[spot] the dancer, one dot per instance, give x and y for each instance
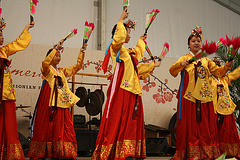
(10, 145)
(53, 134)
(224, 108)
(121, 133)
(196, 134)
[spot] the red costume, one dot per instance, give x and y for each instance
(9, 140)
(53, 134)
(121, 131)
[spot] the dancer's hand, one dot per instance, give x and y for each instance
(230, 64)
(143, 36)
(59, 46)
(30, 25)
(184, 63)
(84, 47)
(124, 15)
(157, 63)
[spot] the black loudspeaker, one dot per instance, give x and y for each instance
(86, 141)
(157, 146)
(25, 142)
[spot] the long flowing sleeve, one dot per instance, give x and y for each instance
(232, 76)
(70, 71)
(176, 68)
(47, 62)
(218, 71)
(119, 37)
(139, 49)
(19, 44)
(145, 69)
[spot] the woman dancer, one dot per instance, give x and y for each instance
(121, 133)
(53, 134)
(10, 145)
(197, 135)
(224, 108)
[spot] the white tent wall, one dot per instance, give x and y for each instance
(175, 22)
(56, 18)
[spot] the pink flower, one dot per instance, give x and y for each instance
(205, 85)
(168, 96)
(146, 88)
(74, 31)
(145, 80)
(33, 9)
(64, 92)
(153, 84)
(126, 83)
(207, 93)
(35, 2)
(227, 104)
(189, 95)
(65, 99)
(159, 98)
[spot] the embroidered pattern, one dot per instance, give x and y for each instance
(225, 103)
(189, 95)
(205, 91)
(220, 90)
(65, 97)
(120, 150)
(53, 149)
(11, 89)
(126, 83)
(201, 72)
(6, 69)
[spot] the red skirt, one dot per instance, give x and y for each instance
(10, 145)
(120, 134)
(52, 139)
(228, 136)
(196, 140)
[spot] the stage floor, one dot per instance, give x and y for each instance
(148, 158)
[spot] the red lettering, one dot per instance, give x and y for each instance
(17, 72)
(36, 75)
(27, 73)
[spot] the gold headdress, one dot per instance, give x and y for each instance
(131, 24)
(197, 31)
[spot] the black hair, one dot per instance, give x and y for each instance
(191, 36)
(115, 27)
(49, 51)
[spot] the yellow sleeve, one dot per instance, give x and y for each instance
(218, 71)
(176, 68)
(234, 75)
(139, 49)
(47, 62)
(145, 69)
(19, 44)
(70, 71)
(119, 36)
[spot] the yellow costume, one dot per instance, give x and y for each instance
(10, 145)
(201, 89)
(19, 44)
(65, 97)
(130, 80)
(145, 69)
(222, 101)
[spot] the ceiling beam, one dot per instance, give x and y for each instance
(233, 5)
